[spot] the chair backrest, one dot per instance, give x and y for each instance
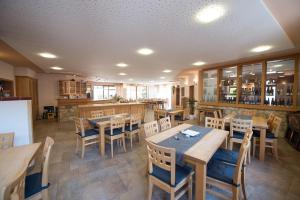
(240, 125)
(270, 119)
(275, 127)
(217, 123)
(6, 140)
(248, 112)
(242, 154)
(108, 112)
(16, 189)
(97, 113)
(165, 123)
(163, 158)
(159, 113)
(135, 119)
(46, 154)
(220, 114)
(116, 123)
(81, 125)
(151, 128)
(215, 114)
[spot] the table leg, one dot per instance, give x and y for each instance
(172, 120)
(200, 181)
(262, 144)
(102, 141)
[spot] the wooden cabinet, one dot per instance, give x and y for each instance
(28, 87)
(67, 88)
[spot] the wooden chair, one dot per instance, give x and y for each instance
(6, 140)
(36, 185)
(248, 112)
(271, 137)
(108, 112)
(220, 114)
(151, 128)
(115, 132)
(270, 120)
(86, 134)
(165, 174)
(165, 123)
(229, 176)
(238, 128)
(133, 128)
(216, 123)
(159, 113)
(215, 114)
(97, 114)
(16, 189)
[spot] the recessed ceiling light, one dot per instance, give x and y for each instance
(145, 51)
(198, 63)
(228, 71)
(122, 74)
(121, 65)
(167, 71)
(261, 48)
(271, 72)
(57, 68)
(281, 76)
(210, 13)
(47, 55)
(276, 66)
(162, 77)
(280, 72)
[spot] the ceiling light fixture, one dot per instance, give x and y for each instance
(276, 66)
(122, 74)
(271, 72)
(145, 51)
(198, 63)
(56, 68)
(121, 65)
(228, 71)
(280, 72)
(261, 48)
(210, 13)
(47, 55)
(167, 71)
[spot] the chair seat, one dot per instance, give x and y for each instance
(221, 171)
(165, 176)
(178, 117)
(256, 133)
(238, 135)
(226, 155)
(33, 184)
(134, 127)
(116, 131)
(89, 132)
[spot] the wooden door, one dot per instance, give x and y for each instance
(177, 96)
(191, 92)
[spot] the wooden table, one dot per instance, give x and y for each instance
(12, 160)
(259, 123)
(106, 124)
(199, 154)
(172, 114)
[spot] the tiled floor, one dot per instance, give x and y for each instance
(123, 177)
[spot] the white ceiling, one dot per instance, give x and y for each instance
(90, 37)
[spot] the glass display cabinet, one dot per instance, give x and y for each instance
(228, 85)
(210, 86)
(279, 82)
(251, 84)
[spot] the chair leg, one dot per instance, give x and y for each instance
(172, 195)
(131, 140)
(77, 144)
(82, 148)
(230, 145)
(112, 148)
(124, 144)
(254, 146)
(150, 188)
(235, 193)
(45, 195)
(243, 183)
(190, 188)
(275, 147)
(249, 154)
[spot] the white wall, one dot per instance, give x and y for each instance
(24, 71)
(7, 71)
(16, 116)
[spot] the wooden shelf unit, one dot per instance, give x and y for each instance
(69, 87)
(261, 105)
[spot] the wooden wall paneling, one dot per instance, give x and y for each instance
(200, 86)
(263, 82)
(219, 73)
(295, 91)
(239, 83)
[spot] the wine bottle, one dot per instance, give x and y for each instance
(273, 102)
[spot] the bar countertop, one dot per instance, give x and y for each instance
(110, 104)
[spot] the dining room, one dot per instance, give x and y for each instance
(133, 100)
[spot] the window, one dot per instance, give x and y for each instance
(210, 86)
(131, 92)
(141, 92)
(251, 84)
(228, 85)
(279, 82)
(104, 92)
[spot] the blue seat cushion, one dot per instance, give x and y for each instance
(226, 155)
(238, 135)
(269, 134)
(89, 132)
(33, 184)
(221, 171)
(179, 117)
(116, 131)
(134, 127)
(165, 176)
